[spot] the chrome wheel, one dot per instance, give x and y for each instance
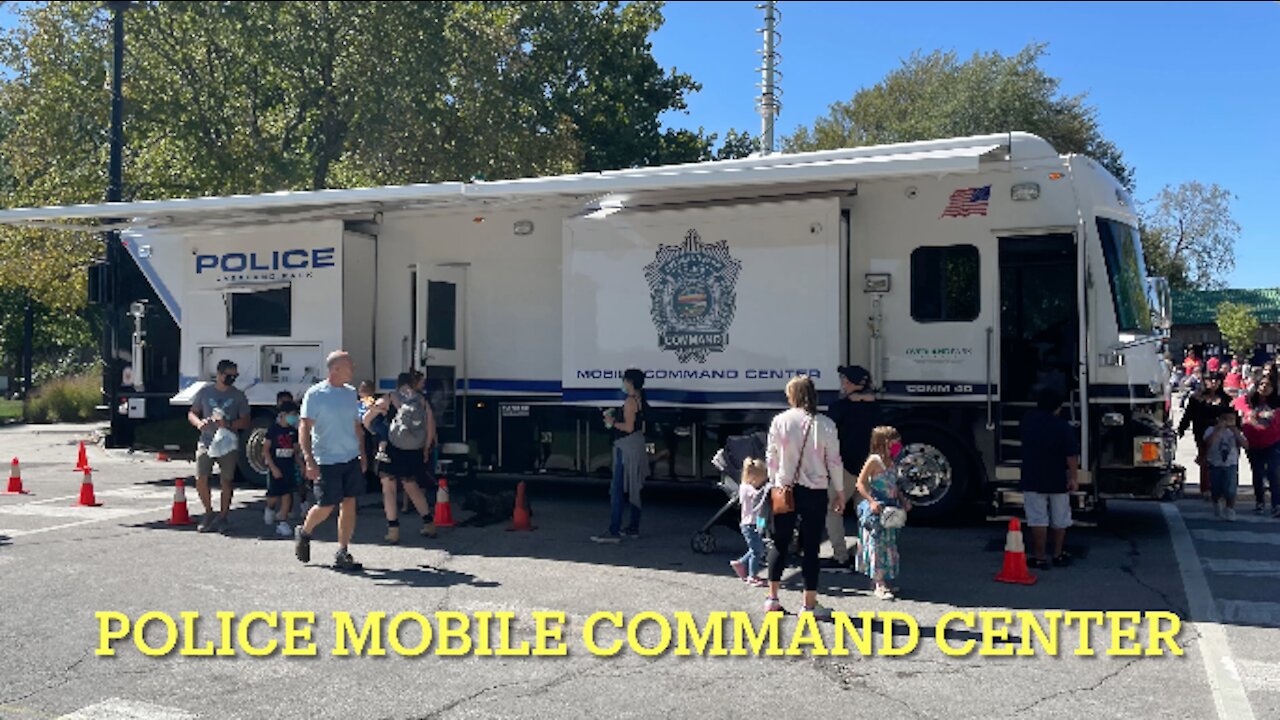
(924, 474)
(253, 450)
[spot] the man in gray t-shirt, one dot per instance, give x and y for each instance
(220, 405)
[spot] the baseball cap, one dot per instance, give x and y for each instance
(855, 374)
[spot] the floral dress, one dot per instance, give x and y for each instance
(878, 549)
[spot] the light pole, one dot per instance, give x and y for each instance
(120, 432)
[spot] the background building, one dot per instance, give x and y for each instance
(1195, 322)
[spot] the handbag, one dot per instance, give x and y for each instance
(783, 499)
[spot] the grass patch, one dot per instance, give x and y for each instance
(10, 410)
(69, 399)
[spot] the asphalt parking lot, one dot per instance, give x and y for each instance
(60, 564)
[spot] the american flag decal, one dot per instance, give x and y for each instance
(968, 201)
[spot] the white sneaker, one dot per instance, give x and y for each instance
(283, 529)
(1231, 514)
(268, 517)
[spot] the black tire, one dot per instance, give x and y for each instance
(704, 543)
(250, 467)
(938, 474)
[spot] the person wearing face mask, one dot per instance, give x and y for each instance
(278, 452)
(1050, 462)
(878, 487)
(855, 414)
(220, 405)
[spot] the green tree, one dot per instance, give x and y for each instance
(936, 96)
(1238, 327)
(243, 97)
(1189, 235)
(737, 145)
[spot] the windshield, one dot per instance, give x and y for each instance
(1125, 269)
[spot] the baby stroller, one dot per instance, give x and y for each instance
(728, 461)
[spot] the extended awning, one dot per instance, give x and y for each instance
(960, 155)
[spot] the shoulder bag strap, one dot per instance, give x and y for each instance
(795, 477)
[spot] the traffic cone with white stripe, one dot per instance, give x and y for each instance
(15, 480)
(86, 491)
(179, 515)
(444, 512)
(1015, 558)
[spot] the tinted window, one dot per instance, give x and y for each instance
(944, 284)
(269, 312)
(442, 315)
(1122, 248)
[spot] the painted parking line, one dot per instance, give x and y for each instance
(119, 709)
(1236, 536)
(1229, 697)
(1248, 568)
(65, 526)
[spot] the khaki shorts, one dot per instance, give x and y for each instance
(226, 464)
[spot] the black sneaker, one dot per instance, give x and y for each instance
(1062, 560)
(301, 545)
(1039, 564)
(344, 561)
(1259, 509)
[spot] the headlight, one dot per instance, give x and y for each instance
(1112, 420)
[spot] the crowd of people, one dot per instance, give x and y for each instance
(1230, 408)
(320, 451)
(319, 454)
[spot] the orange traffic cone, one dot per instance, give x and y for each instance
(444, 513)
(15, 480)
(82, 464)
(86, 491)
(1015, 558)
(180, 516)
(163, 457)
(520, 520)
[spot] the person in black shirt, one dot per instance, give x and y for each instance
(855, 415)
(1201, 415)
(278, 451)
(1050, 461)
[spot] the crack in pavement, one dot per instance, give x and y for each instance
(1072, 691)
(66, 679)
(848, 679)
(1131, 570)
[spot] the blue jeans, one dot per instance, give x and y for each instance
(1265, 463)
(618, 500)
(755, 557)
(1223, 482)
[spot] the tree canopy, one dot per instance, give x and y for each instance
(1189, 236)
(1238, 326)
(244, 97)
(937, 95)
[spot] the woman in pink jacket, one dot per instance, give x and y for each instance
(1261, 428)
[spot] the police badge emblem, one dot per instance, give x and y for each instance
(692, 289)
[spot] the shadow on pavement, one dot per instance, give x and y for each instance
(1126, 563)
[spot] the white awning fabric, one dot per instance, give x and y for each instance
(961, 155)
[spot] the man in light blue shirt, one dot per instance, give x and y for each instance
(332, 439)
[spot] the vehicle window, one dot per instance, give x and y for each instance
(266, 312)
(1122, 248)
(945, 284)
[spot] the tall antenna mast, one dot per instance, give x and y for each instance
(769, 103)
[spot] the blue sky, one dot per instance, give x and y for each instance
(1188, 91)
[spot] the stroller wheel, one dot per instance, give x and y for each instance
(704, 543)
